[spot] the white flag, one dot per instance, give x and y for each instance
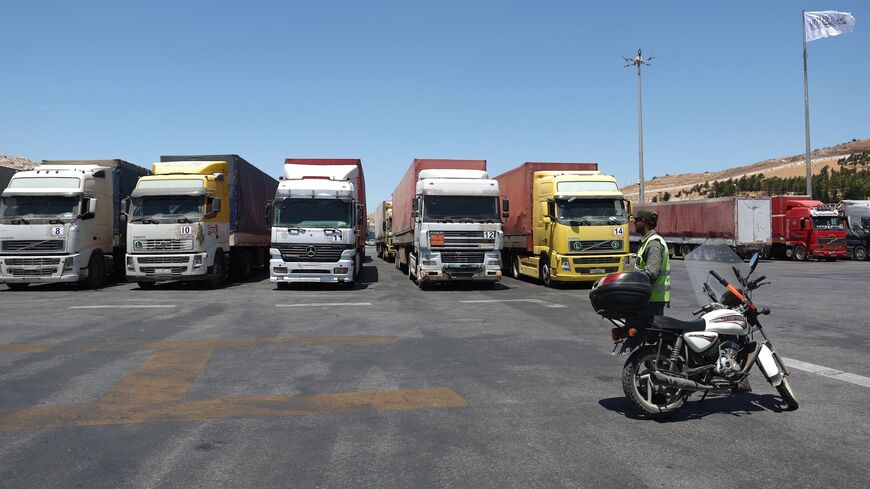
(827, 23)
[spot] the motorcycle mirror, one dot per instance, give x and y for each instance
(753, 262)
(739, 277)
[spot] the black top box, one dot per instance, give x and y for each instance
(621, 294)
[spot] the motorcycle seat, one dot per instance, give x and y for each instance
(674, 324)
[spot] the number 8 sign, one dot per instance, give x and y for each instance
(57, 231)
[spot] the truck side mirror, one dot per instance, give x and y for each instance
(215, 207)
(89, 205)
(125, 208)
(415, 208)
(269, 211)
(545, 212)
(505, 207)
(803, 223)
(629, 208)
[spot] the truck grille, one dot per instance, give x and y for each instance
(607, 245)
(596, 260)
(831, 241)
(31, 267)
(462, 257)
(33, 245)
(316, 271)
(160, 260)
(163, 271)
(588, 271)
(163, 245)
(466, 239)
(324, 253)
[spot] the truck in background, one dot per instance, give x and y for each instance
(384, 231)
(743, 223)
(446, 222)
(319, 222)
(569, 223)
(197, 218)
(62, 222)
(803, 228)
(856, 218)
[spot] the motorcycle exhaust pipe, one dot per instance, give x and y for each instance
(679, 382)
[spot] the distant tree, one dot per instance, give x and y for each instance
(666, 197)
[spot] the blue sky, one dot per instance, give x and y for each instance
(506, 81)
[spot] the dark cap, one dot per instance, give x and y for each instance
(651, 217)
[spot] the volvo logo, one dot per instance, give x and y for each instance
(310, 251)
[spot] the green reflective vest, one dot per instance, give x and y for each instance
(662, 286)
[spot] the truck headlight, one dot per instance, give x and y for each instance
(275, 253)
(197, 261)
(130, 265)
(566, 266)
(348, 253)
(68, 264)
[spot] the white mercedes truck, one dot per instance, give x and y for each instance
(61, 222)
(318, 222)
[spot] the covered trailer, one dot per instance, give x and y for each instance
(5, 175)
(743, 223)
(406, 192)
(250, 189)
(383, 228)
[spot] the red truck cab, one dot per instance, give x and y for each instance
(803, 228)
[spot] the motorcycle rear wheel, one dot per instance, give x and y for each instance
(787, 394)
(653, 401)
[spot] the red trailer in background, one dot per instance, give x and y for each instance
(805, 228)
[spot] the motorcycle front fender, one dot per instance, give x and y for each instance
(768, 366)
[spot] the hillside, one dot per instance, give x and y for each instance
(680, 186)
(16, 162)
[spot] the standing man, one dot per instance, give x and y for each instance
(653, 259)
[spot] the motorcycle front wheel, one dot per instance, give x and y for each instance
(654, 401)
(787, 394)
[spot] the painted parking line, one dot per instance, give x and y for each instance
(325, 304)
(532, 301)
(126, 306)
(831, 373)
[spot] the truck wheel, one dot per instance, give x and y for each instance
(146, 285)
(219, 271)
(860, 253)
(685, 250)
(357, 267)
(17, 286)
(546, 277)
(800, 253)
(515, 266)
(96, 271)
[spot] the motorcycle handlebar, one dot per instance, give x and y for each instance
(719, 278)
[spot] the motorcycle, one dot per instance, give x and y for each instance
(671, 359)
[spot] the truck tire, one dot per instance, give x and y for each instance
(146, 285)
(685, 249)
(240, 265)
(18, 286)
(800, 253)
(546, 275)
(515, 266)
(96, 271)
(859, 253)
(219, 271)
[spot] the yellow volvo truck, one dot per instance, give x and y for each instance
(569, 224)
(198, 218)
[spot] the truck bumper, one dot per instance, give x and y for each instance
(829, 254)
(161, 267)
(311, 272)
(39, 269)
(588, 268)
(454, 273)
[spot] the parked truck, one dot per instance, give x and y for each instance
(319, 222)
(384, 231)
(446, 222)
(856, 219)
(804, 228)
(743, 223)
(61, 222)
(569, 223)
(6, 175)
(197, 218)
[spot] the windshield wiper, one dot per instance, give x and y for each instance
(579, 222)
(20, 220)
(146, 220)
(185, 220)
(55, 221)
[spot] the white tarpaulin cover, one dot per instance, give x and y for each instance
(827, 23)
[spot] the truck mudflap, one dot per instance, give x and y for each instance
(29, 269)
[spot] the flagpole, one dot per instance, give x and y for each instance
(807, 109)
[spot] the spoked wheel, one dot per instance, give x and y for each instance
(653, 400)
(787, 393)
(860, 253)
(546, 276)
(800, 253)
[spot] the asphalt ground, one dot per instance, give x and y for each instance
(389, 386)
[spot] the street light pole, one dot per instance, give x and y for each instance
(639, 61)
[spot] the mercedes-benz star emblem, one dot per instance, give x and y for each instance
(310, 251)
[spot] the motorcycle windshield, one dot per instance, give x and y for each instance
(718, 258)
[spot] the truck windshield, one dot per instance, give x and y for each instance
(166, 207)
(315, 213)
(458, 208)
(827, 222)
(577, 211)
(41, 207)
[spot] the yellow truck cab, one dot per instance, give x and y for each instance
(572, 225)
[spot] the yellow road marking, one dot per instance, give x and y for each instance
(98, 414)
(27, 347)
(165, 376)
